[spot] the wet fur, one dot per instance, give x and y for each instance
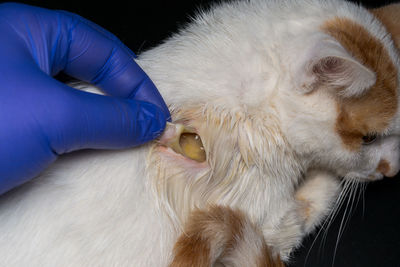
(258, 81)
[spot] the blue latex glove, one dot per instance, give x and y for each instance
(41, 118)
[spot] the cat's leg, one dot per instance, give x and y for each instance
(311, 204)
(221, 236)
(317, 196)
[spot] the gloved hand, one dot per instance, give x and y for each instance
(41, 118)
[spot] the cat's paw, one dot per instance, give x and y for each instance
(316, 197)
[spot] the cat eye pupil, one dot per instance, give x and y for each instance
(368, 139)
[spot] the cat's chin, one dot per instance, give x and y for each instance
(362, 178)
(375, 177)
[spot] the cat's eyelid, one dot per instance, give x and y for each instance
(369, 139)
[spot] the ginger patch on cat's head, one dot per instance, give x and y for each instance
(371, 112)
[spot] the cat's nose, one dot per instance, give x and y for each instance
(387, 169)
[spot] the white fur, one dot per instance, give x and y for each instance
(233, 75)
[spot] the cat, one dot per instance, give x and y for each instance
(277, 100)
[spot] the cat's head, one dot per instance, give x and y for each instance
(344, 111)
(322, 96)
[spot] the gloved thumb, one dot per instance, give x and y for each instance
(106, 122)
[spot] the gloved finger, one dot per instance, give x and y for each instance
(23, 155)
(106, 122)
(59, 40)
(97, 56)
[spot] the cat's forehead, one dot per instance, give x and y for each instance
(373, 111)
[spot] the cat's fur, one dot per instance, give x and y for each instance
(281, 94)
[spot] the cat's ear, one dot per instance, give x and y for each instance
(329, 66)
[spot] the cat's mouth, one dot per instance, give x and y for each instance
(184, 141)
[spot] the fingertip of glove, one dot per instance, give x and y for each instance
(153, 123)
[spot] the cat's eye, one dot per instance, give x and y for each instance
(369, 139)
(187, 143)
(192, 147)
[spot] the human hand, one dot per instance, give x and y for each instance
(41, 117)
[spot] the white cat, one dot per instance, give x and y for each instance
(285, 96)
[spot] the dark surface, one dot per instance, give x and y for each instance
(371, 236)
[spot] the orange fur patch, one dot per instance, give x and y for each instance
(211, 235)
(373, 111)
(390, 17)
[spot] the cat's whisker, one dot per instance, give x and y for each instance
(352, 196)
(348, 212)
(338, 204)
(342, 223)
(330, 217)
(344, 184)
(333, 213)
(363, 189)
(339, 201)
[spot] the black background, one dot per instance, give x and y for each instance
(371, 236)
